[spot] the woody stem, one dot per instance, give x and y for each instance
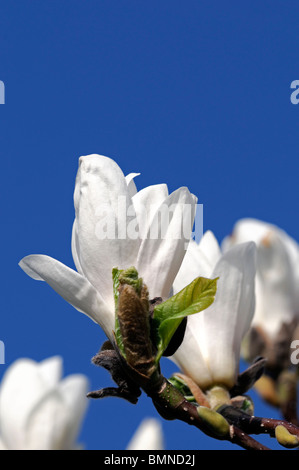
(171, 404)
(255, 424)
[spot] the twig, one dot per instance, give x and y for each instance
(254, 424)
(245, 441)
(171, 404)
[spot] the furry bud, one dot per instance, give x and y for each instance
(134, 323)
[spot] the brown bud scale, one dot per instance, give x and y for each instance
(133, 317)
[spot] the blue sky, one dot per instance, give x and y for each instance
(192, 93)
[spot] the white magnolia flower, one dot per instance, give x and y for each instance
(116, 226)
(277, 278)
(38, 410)
(210, 351)
(148, 436)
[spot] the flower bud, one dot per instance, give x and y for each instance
(285, 438)
(134, 323)
(214, 422)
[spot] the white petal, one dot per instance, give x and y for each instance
(146, 202)
(283, 299)
(246, 230)
(47, 425)
(210, 351)
(54, 421)
(102, 203)
(131, 183)
(73, 287)
(37, 412)
(276, 285)
(148, 436)
(162, 251)
(74, 389)
(51, 370)
(189, 356)
(22, 387)
(75, 248)
(195, 264)
(227, 320)
(227, 243)
(292, 248)
(2, 445)
(209, 247)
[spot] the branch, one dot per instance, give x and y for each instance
(168, 400)
(257, 425)
(171, 404)
(225, 422)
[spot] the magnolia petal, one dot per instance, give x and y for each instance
(255, 230)
(148, 436)
(47, 424)
(162, 251)
(75, 247)
(276, 287)
(2, 445)
(195, 264)
(274, 304)
(131, 183)
(74, 390)
(146, 202)
(51, 370)
(227, 243)
(37, 411)
(22, 387)
(227, 320)
(292, 248)
(210, 351)
(189, 356)
(72, 286)
(103, 211)
(246, 230)
(199, 260)
(54, 422)
(209, 247)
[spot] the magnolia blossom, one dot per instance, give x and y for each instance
(116, 226)
(148, 436)
(277, 278)
(210, 351)
(38, 410)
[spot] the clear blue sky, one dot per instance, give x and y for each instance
(192, 93)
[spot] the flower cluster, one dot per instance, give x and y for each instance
(155, 291)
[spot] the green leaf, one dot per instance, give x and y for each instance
(167, 316)
(180, 385)
(115, 278)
